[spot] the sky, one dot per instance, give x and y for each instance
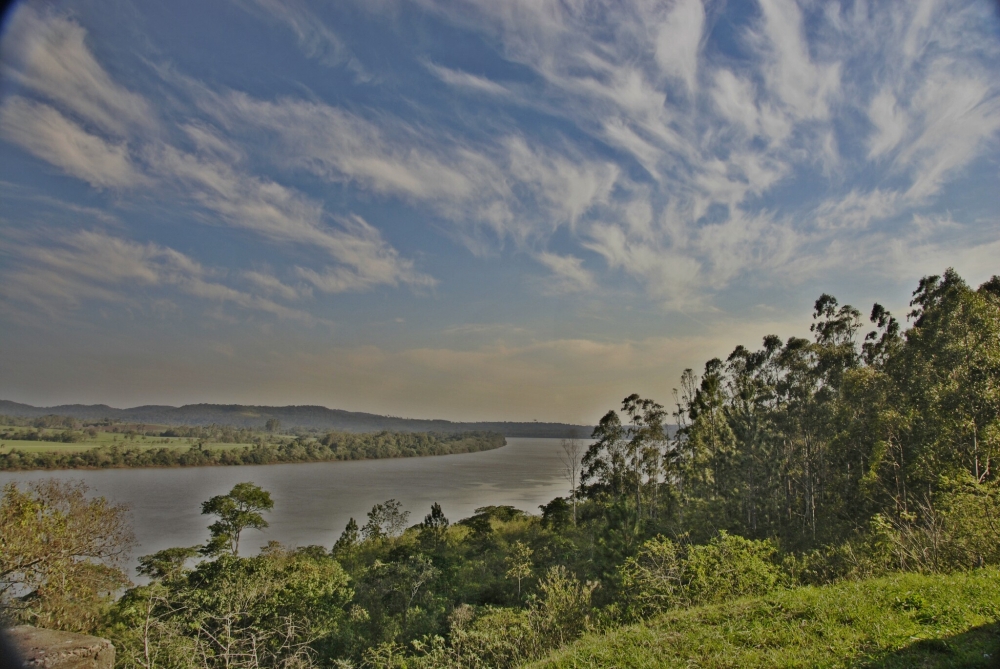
(472, 209)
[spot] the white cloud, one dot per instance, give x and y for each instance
(52, 58)
(66, 272)
(815, 123)
(564, 187)
(569, 274)
(48, 54)
(367, 261)
(890, 124)
(805, 87)
(334, 143)
(920, 73)
(508, 187)
(272, 285)
(467, 80)
(44, 132)
(959, 116)
(856, 209)
(678, 41)
(285, 215)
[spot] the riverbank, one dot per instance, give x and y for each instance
(332, 447)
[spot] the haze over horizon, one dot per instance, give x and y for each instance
(471, 210)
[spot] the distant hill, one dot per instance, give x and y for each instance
(316, 417)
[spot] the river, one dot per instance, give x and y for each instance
(313, 501)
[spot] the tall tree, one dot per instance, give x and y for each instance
(570, 452)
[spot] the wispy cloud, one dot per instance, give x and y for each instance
(55, 274)
(282, 214)
(712, 130)
(678, 41)
(44, 132)
(366, 261)
(316, 40)
(272, 285)
(47, 53)
(664, 151)
(511, 189)
(212, 178)
(466, 80)
(568, 274)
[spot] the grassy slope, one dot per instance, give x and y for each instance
(894, 622)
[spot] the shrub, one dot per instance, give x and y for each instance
(666, 574)
(498, 638)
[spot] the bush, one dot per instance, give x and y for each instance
(667, 575)
(499, 638)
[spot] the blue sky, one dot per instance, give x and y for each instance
(471, 209)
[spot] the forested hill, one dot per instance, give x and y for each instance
(316, 417)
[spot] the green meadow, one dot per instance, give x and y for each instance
(104, 439)
(895, 622)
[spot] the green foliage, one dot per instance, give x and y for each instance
(167, 564)
(665, 575)
(60, 554)
(503, 637)
(236, 511)
(897, 622)
(385, 521)
(334, 446)
(518, 563)
(279, 609)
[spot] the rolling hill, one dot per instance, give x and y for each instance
(308, 417)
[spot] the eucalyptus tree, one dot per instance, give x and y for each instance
(605, 462)
(569, 455)
(951, 361)
(750, 377)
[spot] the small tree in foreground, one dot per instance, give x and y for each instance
(238, 510)
(519, 563)
(61, 553)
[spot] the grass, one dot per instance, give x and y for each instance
(107, 439)
(896, 622)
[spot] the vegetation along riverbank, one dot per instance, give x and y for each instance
(67, 448)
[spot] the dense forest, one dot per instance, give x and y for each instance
(854, 454)
(265, 450)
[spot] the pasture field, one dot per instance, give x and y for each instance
(104, 439)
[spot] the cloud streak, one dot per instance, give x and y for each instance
(93, 266)
(47, 134)
(48, 54)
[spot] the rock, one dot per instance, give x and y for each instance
(52, 649)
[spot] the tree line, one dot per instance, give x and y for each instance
(333, 446)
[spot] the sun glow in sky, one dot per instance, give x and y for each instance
(471, 209)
